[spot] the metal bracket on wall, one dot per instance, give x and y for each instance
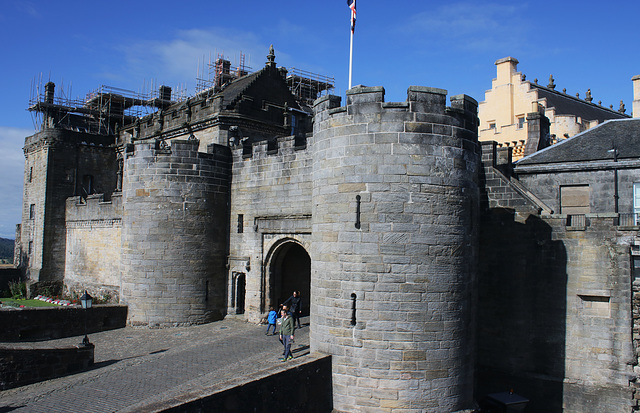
(358, 198)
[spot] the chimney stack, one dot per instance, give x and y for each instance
(49, 92)
(165, 93)
(636, 96)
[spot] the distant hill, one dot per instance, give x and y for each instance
(6, 250)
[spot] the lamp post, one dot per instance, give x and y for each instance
(86, 301)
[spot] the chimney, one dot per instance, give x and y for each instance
(506, 67)
(49, 91)
(537, 131)
(636, 96)
(165, 93)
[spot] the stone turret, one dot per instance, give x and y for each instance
(393, 248)
(174, 233)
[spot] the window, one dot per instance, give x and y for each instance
(240, 223)
(635, 268)
(636, 202)
(30, 247)
(32, 211)
(574, 199)
(520, 122)
(87, 185)
(492, 125)
(31, 174)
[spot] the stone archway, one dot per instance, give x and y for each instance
(289, 269)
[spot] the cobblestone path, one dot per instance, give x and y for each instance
(139, 368)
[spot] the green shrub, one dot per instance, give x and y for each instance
(18, 290)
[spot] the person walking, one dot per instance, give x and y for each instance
(287, 329)
(295, 303)
(271, 321)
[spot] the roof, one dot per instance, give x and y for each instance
(235, 88)
(569, 105)
(593, 145)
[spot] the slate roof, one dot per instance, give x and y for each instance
(593, 144)
(570, 105)
(235, 88)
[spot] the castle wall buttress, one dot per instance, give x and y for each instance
(394, 248)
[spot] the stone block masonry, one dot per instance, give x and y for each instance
(58, 164)
(50, 323)
(174, 233)
(394, 293)
(21, 366)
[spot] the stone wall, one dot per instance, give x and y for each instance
(92, 259)
(394, 248)
(58, 165)
(175, 233)
(21, 366)
(307, 388)
(554, 305)
(48, 323)
(600, 177)
(270, 202)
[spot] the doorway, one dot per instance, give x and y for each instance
(289, 270)
(240, 287)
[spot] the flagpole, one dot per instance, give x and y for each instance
(351, 57)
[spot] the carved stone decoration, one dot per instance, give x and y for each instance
(551, 84)
(119, 173)
(588, 98)
(271, 57)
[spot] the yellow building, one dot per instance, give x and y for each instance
(503, 113)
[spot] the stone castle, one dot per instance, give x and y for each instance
(433, 275)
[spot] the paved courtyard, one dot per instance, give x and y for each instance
(146, 370)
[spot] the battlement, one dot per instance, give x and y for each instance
(94, 209)
(179, 152)
(176, 119)
(279, 146)
(421, 101)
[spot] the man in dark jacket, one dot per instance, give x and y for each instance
(287, 329)
(295, 304)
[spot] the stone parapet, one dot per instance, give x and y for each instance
(49, 323)
(21, 366)
(93, 208)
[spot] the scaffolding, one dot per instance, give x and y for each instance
(307, 86)
(217, 74)
(101, 111)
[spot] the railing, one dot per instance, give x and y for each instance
(628, 220)
(576, 220)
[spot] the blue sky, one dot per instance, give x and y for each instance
(450, 45)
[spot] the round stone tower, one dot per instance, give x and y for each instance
(174, 233)
(395, 198)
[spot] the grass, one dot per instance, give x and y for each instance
(27, 303)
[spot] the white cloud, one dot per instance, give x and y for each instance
(176, 59)
(474, 26)
(11, 173)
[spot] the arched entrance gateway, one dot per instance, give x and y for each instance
(288, 270)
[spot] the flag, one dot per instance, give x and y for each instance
(352, 6)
